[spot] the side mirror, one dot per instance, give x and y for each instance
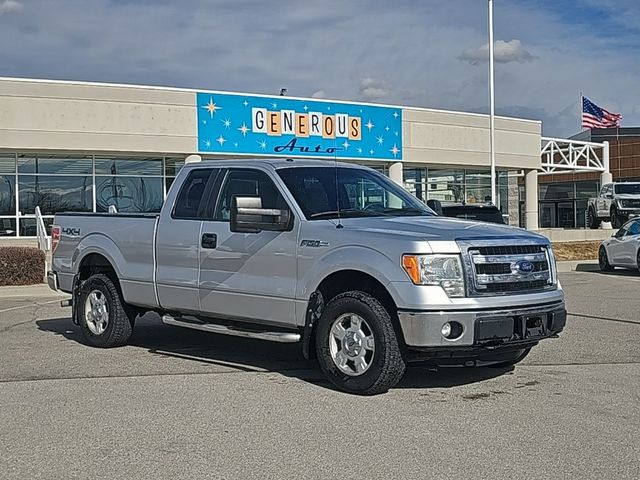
(248, 216)
(435, 205)
(618, 234)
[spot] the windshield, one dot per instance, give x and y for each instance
(625, 188)
(360, 193)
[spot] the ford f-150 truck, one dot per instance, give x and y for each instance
(616, 202)
(333, 256)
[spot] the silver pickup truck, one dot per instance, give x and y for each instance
(336, 257)
(616, 202)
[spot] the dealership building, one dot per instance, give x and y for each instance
(75, 146)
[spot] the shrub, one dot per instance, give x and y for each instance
(21, 266)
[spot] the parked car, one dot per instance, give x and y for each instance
(477, 212)
(616, 202)
(622, 249)
(335, 257)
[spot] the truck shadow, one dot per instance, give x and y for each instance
(257, 356)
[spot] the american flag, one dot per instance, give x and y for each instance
(595, 117)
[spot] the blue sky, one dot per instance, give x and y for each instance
(421, 52)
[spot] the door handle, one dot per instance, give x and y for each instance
(209, 240)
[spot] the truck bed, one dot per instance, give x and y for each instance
(128, 237)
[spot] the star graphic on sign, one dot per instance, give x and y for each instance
(245, 103)
(395, 150)
(226, 122)
(395, 115)
(387, 128)
(262, 144)
(305, 108)
(235, 144)
(274, 105)
(204, 122)
(379, 139)
(371, 152)
(211, 107)
(396, 133)
(369, 125)
(328, 108)
(244, 129)
(207, 143)
(221, 140)
(346, 145)
(359, 150)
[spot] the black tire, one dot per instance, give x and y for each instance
(592, 220)
(603, 260)
(616, 219)
(638, 260)
(120, 319)
(386, 364)
(507, 360)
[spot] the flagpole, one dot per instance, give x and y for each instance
(492, 105)
(581, 110)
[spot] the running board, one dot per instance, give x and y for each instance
(282, 337)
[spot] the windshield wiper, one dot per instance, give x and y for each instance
(345, 213)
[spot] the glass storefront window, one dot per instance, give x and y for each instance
(7, 163)
(475, 177)
(129, 194)
(478, 194)
(28, 226)
(54, 194)
(55, 164)
(7, 227)
(128, 166)
(556, 191)
(7, 195)
(172, 166)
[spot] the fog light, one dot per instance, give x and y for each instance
(452, 330)
(446, 330)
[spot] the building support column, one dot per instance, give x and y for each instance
(606, 177)
(531, 199)
(396, 173)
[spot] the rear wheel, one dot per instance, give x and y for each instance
(638, 260)
(592, 219)
(603, 260)
(104, 319)
(356, 345)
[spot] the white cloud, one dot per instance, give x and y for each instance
(504, 52)
(9, 6)
(319, 94)
(371, 89)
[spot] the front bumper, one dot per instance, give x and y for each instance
(492, 328)
(629, 212)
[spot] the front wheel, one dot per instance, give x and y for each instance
(616, 219)
(603, 260)
(357, 346)
(592, 219)
(638, 260)
(104, 319)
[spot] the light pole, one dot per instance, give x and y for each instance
(492, 108)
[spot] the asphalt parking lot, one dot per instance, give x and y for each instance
(184, 404)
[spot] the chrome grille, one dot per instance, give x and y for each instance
(508, 269)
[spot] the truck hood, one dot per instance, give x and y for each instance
(437, 228)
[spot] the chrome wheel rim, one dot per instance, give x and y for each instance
(96, 312)
(351, 344)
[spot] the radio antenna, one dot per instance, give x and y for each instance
(335, 165)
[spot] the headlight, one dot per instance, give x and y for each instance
(442, 270)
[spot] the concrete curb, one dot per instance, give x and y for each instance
(578, 266)
(40, 290)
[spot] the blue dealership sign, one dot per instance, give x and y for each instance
(252, 125)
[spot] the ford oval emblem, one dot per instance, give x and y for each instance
(525, 266)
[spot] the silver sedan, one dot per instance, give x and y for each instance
(622, 249)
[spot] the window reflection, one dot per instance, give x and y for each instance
(129, 194)
(7, 227)
(7, 195)
(28, 226)
(128, 166)
(55, 194)
(55, 164)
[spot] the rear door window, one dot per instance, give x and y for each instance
(191, 198)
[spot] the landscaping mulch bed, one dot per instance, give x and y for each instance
(576, 250)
